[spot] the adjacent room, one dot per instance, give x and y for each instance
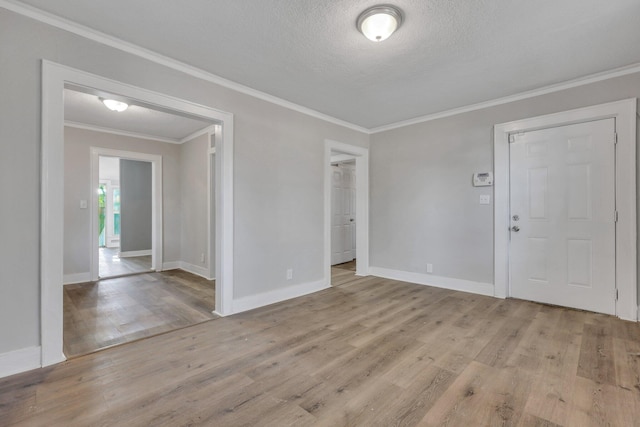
(319, 213)
(117, 286)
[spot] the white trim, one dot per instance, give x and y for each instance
(105, 39)
(581, 81)
(129, 254)
(625, 114)
(114, 42)
(72, 279)
(208, 129)
(362, 205)
(195, 269)
(278, 295)
(435, 281)
(171, 265)
(18, 361)
(54, 77)
(214, 132)
(119, 132)
(157, 204)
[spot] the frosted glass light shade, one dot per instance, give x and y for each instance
(379, 22)
(114, 105)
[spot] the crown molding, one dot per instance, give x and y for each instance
(114, 42)
(105, 39)
(112, 131)
(581, 81)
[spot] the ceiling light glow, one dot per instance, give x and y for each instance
(114, 105)
(379, 22)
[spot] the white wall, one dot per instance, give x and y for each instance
(423, 206)
(278, 170)
(77, 182)
(194, 164)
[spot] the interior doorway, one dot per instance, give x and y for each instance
(124, 247)
(346, 210)
(56, 79)
(139, 246)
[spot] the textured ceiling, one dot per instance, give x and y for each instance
(87, 109)
(447, 54)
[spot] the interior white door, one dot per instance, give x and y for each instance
(562, 248)
(343, 214)
(349, 179)
(337, 209)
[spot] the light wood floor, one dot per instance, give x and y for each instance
(110, 264)
(115, 311)
(368, 352)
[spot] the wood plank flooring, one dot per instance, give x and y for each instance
(115, 311)
(367, 352)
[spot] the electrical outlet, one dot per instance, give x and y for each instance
(202, 257)
(290, 274)
(429, 268)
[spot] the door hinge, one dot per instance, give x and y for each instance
(615, 138)
(512, 138)
(616, 295)
(615, 216)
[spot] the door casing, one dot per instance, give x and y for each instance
(361, 156)
(624, 112)
(54, 78)
(156, 204)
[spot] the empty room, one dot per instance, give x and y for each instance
(336, 213)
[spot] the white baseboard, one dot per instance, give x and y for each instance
(18, 361)
(129, 254)
(70, 279)
(195, 269)
(436, 281)
(260, 300)
(171, 265)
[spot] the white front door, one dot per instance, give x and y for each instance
(562, 248)
(343, 214)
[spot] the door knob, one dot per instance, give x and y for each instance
(351, 220)
(515, 228)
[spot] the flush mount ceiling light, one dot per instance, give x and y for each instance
(378, 22)
(114, 105)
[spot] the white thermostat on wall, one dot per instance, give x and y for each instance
(483, 179)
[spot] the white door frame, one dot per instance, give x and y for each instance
(54, 78)
(156, 203)
(213, 247)
(624, 113)
(362, 205)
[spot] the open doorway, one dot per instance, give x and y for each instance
(346, 212)
(124, 191)
(146, 175)
(54, 218)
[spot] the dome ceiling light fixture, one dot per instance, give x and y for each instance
(114, 105)
(378, 22)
